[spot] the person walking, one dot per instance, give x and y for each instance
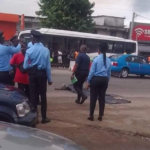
(21, 76)
(39, 72)
(98, 81)
(81, 70)
(5, 55)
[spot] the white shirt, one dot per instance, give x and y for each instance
(59, 53)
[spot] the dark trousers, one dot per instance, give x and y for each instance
(98, 87)
(78, 86)
(6, 78)
(38, 86)
(25, 88)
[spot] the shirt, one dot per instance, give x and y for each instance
(20, 77)
(30, 44)
(40, 56)
(60, 53)
(5, 55)
(83, 61)
(98, 68)
(76, 54)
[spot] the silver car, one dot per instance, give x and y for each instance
(16, 137)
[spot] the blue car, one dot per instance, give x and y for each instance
(123, 65)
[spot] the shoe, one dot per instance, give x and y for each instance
(91, 118)
(83, 99)
(46, 120)
(100, 118)
(77, 101)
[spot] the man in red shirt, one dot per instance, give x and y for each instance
(21, 78)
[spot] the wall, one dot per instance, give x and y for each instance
(99, 20)
(8, 23)
(115, 22)
(109, 21)
(9, 29)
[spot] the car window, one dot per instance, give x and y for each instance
(143, 60)
(132, 59)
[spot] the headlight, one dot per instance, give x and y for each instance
(23, 109)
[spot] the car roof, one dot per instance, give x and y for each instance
(18, 137)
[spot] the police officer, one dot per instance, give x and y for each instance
(81, 71)
(39, 71)
(98, 81)
(5, 55)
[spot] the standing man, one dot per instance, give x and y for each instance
(21, 77)
(5, 55)
(81, 71)
(39, 72)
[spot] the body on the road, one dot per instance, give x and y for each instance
(98, 81)
(39, 72)
(81, 71)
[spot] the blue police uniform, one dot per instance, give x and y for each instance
(98, 78)
(37, 61)
(5, 55)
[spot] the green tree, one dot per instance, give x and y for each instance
(72, 15)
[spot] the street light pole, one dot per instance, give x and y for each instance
(132, 25)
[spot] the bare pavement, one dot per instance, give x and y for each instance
(125, 126)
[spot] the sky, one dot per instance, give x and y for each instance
(118, 8)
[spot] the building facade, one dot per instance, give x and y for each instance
(109, 25)
(141, 34)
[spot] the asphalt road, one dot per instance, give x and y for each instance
(133, 86)
(69, 119)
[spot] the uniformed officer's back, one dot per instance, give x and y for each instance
(38, 55)
(37, 60)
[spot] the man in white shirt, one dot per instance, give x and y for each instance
(59, 57)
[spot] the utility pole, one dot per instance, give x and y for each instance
(132, 25)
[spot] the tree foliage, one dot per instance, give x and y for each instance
(72, 15)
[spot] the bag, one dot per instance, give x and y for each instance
(20, 66)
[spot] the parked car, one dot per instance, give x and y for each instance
(15, 107)
(16, 137)
(123, 65)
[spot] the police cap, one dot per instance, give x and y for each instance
(13, 38)
(36, 34)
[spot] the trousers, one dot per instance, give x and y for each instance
(25, 88)
(38, 87)
(98, 87)
(6, 78)
(78, 86)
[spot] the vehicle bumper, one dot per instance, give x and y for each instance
(29, 120)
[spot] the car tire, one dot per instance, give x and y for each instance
(142, 76)
(124, 73)
(5, 118)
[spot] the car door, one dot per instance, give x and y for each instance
(133, 64)
(144, 66)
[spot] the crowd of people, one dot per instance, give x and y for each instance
(30, 67)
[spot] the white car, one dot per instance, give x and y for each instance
(16, 137)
